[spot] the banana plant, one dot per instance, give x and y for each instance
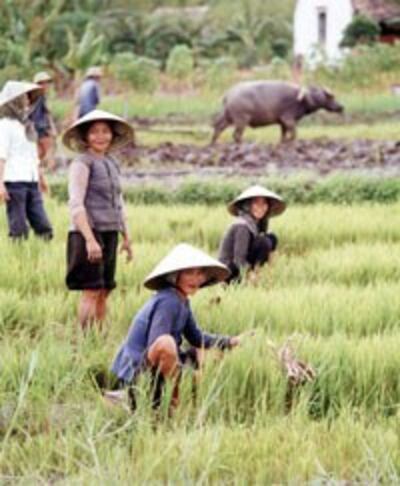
(86, 51)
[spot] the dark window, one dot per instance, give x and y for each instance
(322, 25)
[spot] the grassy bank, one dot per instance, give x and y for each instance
(300, 189)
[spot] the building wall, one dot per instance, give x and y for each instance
(306, 29)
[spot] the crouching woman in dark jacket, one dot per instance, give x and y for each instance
(246, 244)
(154, 341)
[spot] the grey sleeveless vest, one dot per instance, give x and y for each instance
(103, 201)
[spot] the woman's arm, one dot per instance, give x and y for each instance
(3, 191)
(200, 339)
(78, 179)
(126, 244)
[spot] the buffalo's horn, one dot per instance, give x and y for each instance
(301, 94)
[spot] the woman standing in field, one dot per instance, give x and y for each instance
(21, 178)
(96, 210)
(155, 337)
(246, 244)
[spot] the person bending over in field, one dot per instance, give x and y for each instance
(246, 244)
(154, 340)
(96, 210)
(21, 179)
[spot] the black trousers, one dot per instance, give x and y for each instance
(25, 207)
(188, 359)
(259, 252)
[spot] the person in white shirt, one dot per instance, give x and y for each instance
(21, 179)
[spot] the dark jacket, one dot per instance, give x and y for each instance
(246, 244)
(235, 245)
(164, 313)
(41, 117)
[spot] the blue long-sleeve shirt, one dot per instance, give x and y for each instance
(164, 313)
(89, 96)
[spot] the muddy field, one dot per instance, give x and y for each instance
(321, 156)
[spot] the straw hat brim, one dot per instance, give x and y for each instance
(32, 89)
(94, 72)
(123, 132)
(185, 257)
(42, 78)
(276, 204)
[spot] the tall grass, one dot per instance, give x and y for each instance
(333, 287)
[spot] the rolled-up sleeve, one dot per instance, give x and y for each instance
(78, 178)
(124, 216)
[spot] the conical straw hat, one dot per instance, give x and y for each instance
(94, 72)
(13, 89)
(42, 77)
(275, 202)
(183, 257)
(123, 132)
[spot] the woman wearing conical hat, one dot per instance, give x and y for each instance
(155, 338)
(21, 179)
(246, 244)
(96, 210)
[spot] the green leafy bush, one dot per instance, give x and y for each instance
(9, 72)
(180, 62)
(280, 47)
(365, 65)
(220, 72)
(141, 72)
(362, 30)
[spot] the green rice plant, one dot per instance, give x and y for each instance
(332, 288)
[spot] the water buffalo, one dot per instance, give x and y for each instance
(260, 103)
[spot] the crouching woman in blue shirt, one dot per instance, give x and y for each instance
(155, 338)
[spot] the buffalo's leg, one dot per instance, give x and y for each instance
(220, 125)
(288, 130)
(238, 133)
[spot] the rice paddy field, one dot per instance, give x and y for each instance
(333, 287)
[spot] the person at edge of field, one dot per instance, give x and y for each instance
(89, 91)
(154, 340)
(21, 179)
(43, 121)
(246, 244)
(96, 210)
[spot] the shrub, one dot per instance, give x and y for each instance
(9, 72)
(141, 72)
(362, 30)
(362, 67)
(220, 72)
(280, 47)
(180, 62)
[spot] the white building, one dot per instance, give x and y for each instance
(319, 24)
